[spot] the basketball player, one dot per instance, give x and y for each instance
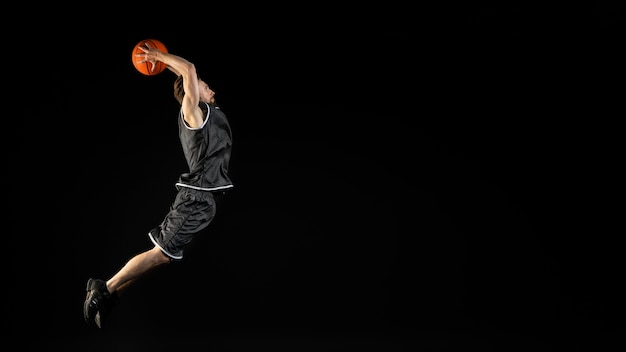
(205, 136)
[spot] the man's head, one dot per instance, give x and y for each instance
(207, 95)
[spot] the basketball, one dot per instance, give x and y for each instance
(146, 67)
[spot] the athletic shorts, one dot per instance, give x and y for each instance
(191, 212)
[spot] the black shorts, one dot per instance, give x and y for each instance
(191, 212)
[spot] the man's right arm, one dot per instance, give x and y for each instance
(181, 67)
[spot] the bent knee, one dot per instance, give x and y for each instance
(159, 257)
(164, 259)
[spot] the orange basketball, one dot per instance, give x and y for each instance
(146, 67)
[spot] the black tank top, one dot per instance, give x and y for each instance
(207, 150)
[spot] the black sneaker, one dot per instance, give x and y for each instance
(98, 302)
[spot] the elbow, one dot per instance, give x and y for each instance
(190, 70)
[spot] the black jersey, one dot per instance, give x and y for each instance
(207, 150)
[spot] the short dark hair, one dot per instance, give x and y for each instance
(179, 92)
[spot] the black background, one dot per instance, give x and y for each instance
(406, 179)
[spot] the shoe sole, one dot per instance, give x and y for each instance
(98, 320)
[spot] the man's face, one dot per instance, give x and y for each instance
(206, 93)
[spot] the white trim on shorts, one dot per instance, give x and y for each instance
(177, 257)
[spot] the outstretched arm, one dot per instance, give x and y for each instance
(181, 67)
